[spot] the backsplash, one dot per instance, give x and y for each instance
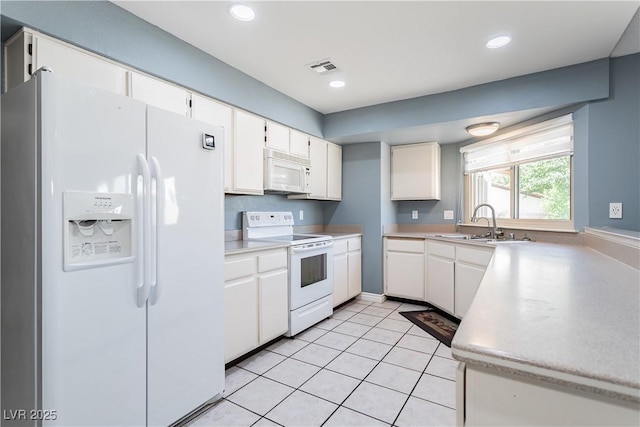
(234, 205)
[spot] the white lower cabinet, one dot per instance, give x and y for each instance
(440, 279)
(404, 268)
(340, 272)
(444, 274)
(240, 317)
(347, 269)
(471, 263)
(488, 397)
(273, 305)
(467, 281)
(454, 273)
(354, 258)
(256, 305)
(441, 257)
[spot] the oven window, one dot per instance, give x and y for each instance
(313, 269)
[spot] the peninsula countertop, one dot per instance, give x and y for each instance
(561, 313)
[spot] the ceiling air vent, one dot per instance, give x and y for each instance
(323, 67)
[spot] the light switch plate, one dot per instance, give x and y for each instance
(615, 210)
(448, 214)
(414, 214)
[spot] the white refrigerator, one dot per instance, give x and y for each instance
(112, 259)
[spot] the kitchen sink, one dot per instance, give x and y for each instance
(480, 239)
(489, 240)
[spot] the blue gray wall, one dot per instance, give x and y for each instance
(553, 88)
(361, 204)
(614, 148)
(234, 205)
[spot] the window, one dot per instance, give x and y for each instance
(524, 175)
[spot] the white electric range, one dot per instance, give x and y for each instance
(310, 266)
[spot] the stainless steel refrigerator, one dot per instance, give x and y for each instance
(112, 257)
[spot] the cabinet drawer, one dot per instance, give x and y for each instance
(339, 247)
(442, 249)
(272, 261)
(237, 268)
(474, 255)
(354, 244)
(406, 245)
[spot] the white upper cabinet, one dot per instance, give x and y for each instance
(299, 144)
(248, 150)
(318, 157)
(27, 52)
(159, 94)
(287, 140)
(326, 171)
(277, 137)
(415, 172)
(334, 172)
(207, 110)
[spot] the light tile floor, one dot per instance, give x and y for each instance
(365, 366)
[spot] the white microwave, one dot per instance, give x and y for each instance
(284, 173)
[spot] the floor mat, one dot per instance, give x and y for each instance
(439, 325)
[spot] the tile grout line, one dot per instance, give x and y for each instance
(379, 361)
(296, 388)
(321, 368)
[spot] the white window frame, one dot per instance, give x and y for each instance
(517, 223)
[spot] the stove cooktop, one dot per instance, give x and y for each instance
(296, 237)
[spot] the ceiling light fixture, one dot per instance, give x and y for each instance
(336, 83)
(483, 129)
(242, 12)
(498, 42)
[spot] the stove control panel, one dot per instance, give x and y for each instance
(266, 219)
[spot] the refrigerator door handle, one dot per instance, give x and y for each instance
(156, 288)
(144, 249)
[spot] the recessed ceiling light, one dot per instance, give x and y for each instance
(483, 129)
(499, 41)
(336, 83)
(242, 12)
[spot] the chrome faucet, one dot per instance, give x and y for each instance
(494, 232)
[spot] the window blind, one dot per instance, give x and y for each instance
(552, 138)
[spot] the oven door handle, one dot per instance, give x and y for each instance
(295, 250)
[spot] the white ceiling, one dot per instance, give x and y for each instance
(393, 50)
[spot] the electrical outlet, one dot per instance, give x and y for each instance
(414, 214)
(615, 210)
(301, 215)
(448, 214)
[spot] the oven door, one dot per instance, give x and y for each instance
(310, 274)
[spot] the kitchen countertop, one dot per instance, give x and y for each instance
(232, 247)
(341, 235)
(445, 237)
(573, 317)
(240, 246)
